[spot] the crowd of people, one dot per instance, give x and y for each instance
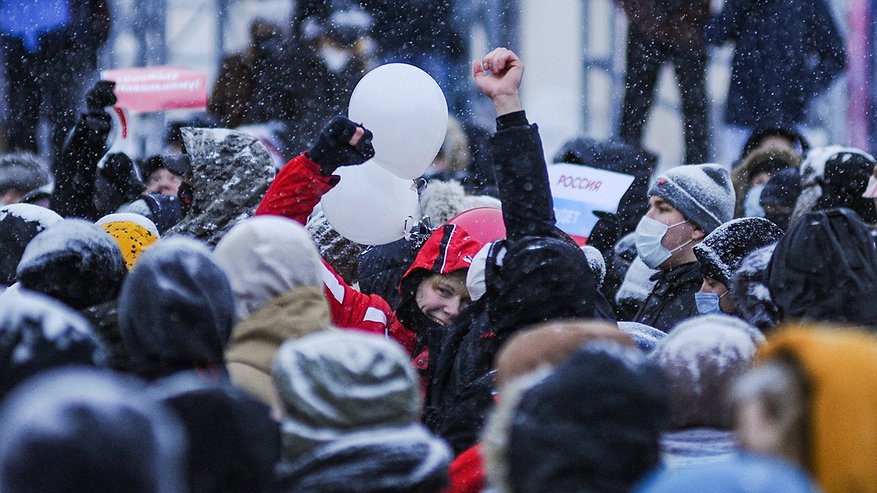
(191, 321)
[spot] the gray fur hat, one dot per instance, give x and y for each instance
(703, 193)
(24, 172)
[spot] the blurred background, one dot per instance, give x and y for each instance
(574, 53)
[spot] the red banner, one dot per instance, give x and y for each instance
(159, 88)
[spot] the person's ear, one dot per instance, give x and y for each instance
(697, 234)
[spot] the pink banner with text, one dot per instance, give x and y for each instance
(159, 88)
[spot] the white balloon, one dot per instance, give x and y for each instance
(370, 205)
(406, 111)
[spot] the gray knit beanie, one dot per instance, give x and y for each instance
(703, 193)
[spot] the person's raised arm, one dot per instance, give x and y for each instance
(76, 169)
(518, 159)
(303, 181)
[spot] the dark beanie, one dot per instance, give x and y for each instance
(592, 425)
(722, 250)
(75, 262)
(19, 223)
(703, 193)
(782, 189)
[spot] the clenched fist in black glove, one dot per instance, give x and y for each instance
(101, 95)
(338, 146)
(119, 171)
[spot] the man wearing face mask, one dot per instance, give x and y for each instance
(685, 204)
(720, 254)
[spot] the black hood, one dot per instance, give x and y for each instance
(537, 279)
(825, 268)
(176, 309)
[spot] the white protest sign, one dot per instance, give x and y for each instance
(579, 190)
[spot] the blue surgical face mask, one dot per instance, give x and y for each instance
(708, 302)
(752, 202)
(649, 234)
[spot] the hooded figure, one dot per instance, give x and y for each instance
(836, 176)
(701, 358)
(275, 274)
(233, 442)
(176, 310)
(837, 279)
(75, 262)
(751, 176)
(38, 333)
(834, 433)
(605, 439)
(19, 223)
(350, 403)
(231, 172)
(82, 430)
(531, 280)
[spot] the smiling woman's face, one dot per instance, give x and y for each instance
(442, 297)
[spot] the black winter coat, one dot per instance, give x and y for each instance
(672, 299)
(543, 276)
(787, 52)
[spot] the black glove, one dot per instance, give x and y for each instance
(117, 168)
(119, 171)
(98, 124)
(332, 148)
(605, 233)
(101, 95)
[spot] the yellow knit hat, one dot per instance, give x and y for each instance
(132, 239)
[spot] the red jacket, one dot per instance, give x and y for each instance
(296, 191)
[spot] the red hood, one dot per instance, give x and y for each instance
(448, 249)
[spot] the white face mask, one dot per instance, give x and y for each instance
(336, 59)
(752, 202)
(649, 234)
